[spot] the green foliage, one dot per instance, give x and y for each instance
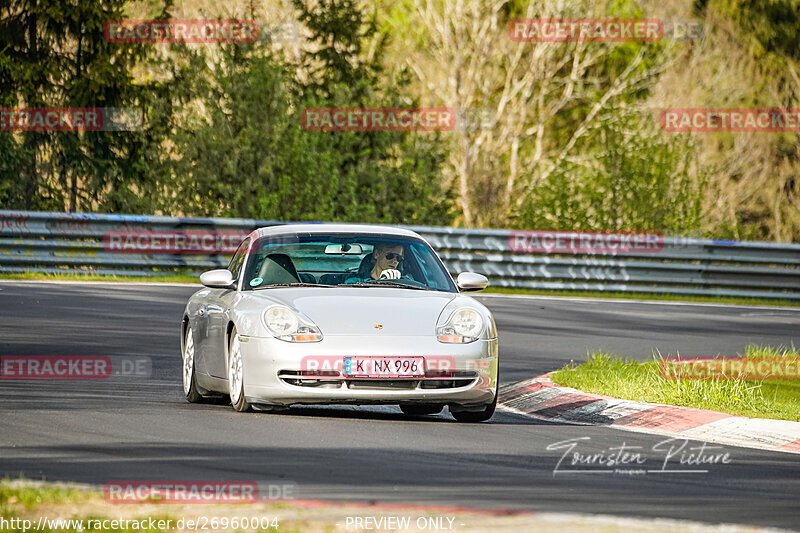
(222, 132)
(636, 178)
(610, 375)
(54, 54)
(339, 31)
(242, 150)
(31, 496)
(772, 25)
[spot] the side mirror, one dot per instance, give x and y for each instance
(470, 281)
(217, 279)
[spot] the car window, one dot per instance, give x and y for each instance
(235, 266)
(342, 260)
(434, 276)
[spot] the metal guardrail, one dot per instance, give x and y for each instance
(74, 242)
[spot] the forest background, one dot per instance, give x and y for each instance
(552, 135)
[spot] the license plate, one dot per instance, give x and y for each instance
(384, 367)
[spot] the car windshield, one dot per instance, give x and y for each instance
(345, 260)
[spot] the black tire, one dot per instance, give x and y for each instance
(190, 389)
(476, 416)
(238, 400)
(421, 409)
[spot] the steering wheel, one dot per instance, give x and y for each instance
(409, 281)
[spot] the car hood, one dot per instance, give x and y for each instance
(365, 310)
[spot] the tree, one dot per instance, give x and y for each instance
(55, 55)
(641, 180)
(545, 96)
(241, 150)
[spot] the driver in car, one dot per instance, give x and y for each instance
(387, 260)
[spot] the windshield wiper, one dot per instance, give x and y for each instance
(382, 283)
(299, 284)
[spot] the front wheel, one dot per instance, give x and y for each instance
(236, 374)
(189, 379)
(476, 416)
(421, 409)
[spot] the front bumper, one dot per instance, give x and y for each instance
(277, 372)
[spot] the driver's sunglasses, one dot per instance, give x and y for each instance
(391, 256)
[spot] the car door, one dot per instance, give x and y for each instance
(217, 308)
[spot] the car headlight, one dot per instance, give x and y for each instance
(286, 325)
(464, 325)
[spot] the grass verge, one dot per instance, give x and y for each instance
(614, 376)
(40, 507)
(28, 497)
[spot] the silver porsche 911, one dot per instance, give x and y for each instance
(340, 314)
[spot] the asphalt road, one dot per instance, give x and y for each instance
(141, 428)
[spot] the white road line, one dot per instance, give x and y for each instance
(628, 301)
